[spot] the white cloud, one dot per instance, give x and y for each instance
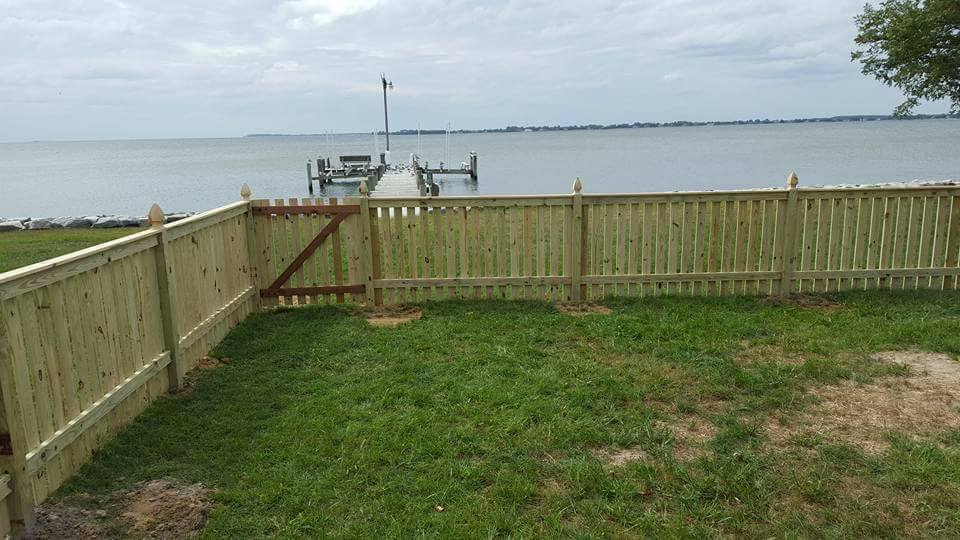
(313, 65)
(205, 50)
(323, 12)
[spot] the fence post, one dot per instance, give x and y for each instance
(252, 268)
(367, 247)
(576, 243)
(166, 285)
(788, 236)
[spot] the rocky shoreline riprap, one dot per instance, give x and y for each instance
(81, 222)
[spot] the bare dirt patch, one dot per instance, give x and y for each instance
(579, 310)
(618, 457)
(690, 436)
(158, 509)
(390, 317)
(210, 362)
(807, 301)
(161, 509)
(923, 403)
(750, 354)
(204, 364)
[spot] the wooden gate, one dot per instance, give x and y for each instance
(306, 250)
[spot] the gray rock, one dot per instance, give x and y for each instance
(177, 216)
(128, 221)
(75, 222)
(11, 225)
(107, 222)
(42, 223)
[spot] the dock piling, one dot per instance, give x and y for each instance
(309, 177)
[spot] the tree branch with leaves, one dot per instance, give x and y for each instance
(913, 45)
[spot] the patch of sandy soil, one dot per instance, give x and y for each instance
(690, 436)
(804, 300)
(158, 509)
(390, 317)
(923, 403)
(579, 310)
(620, 456)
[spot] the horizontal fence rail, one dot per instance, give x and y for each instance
(588, 247)
(89, 339)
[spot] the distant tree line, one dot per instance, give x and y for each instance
(635, 125)
(683, 123)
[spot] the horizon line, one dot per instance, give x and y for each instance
(538, 128)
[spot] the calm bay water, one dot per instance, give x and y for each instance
(74, 178)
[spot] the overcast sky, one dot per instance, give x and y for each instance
(95, 69)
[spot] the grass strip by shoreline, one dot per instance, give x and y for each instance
(22, 248)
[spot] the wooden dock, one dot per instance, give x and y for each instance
(468, 169)
(415, 180)
(398, 184)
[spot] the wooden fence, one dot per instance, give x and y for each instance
(89, 339)
(588, 247)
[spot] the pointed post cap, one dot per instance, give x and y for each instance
(245, 192)
(155, 216)
(793, 180)
(363, 188)
(577, 185)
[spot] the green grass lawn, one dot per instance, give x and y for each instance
(27, 247)
(507, 416)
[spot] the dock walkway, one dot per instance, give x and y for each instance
(396, 184)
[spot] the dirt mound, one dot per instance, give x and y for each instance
(585, 308)
(804, 300)
(86, 520)
(923, 403)
(210, 362)
(390, 317)
(159, 509)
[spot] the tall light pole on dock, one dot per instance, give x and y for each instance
(386, 121)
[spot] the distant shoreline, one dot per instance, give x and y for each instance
(522, 129)
(642, 125)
